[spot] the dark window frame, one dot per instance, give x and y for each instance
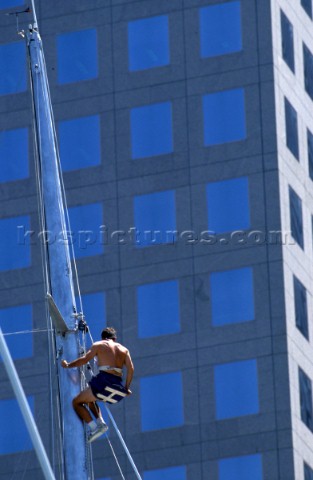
(296, 217)
(291, 125)
(310, 152)
(308, 70)
(308, 472)
(301, 307)
(306, 401)
(287, 41)
(307, 7)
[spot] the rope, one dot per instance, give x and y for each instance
(66, 223)
(130, 458)
(83, 382)
(63, 202)
(115, 457)
(23, 332)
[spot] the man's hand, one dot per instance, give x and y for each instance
(129, 392)
(64, 364)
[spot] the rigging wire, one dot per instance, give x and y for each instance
(63, 206)
(123, 443)
(84, 383)
(24, 332)
(115, 457)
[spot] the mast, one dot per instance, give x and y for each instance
(76, 451)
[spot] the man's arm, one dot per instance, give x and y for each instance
(130, 371)
(81, 360)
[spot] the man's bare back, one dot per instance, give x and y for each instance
(110, 353)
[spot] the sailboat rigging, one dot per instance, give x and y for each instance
(58, 269)
(67, 328)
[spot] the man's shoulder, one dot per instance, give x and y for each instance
(121, 347)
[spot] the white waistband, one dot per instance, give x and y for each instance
(104, 368)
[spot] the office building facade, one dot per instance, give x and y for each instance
(186, 143)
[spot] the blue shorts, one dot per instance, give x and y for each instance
(108, 387)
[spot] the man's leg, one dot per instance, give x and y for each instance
(79, 402)
(94, 408)
(84, 397)
(96, 411)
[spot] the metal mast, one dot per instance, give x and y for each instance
(76, 451)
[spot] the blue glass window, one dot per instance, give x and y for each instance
(14, 436)
(171, 473)
(10, 3)
(17, 319)
(306, 402)
(94, 306)
(224, 117)
(308, 70)
(291, 121)
(236, 389)
(308, 472)
(13, 68)
(161, 401)
(14, 243)
(155, 218)
(307, 6)
(287, 41)
(77, 56)
(158, 309)
(301, 308)
(296, 220)
(220, 29)
(151, 130)
(232, 296)
(148, 43)
(310, 152)
(13, 154)
(228, 205)
(241, 468)
(86, 221)
(80, 142)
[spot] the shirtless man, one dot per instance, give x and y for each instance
(112, 357)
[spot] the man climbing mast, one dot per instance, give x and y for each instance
(107, 385)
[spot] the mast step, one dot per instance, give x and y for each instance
(56, 317)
